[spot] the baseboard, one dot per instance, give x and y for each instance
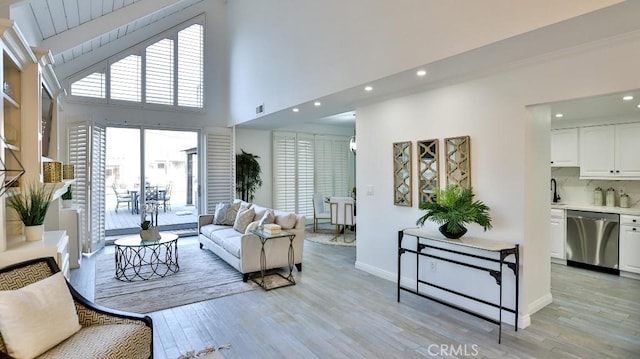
(390, 276)
(540, 303)
(630, 275)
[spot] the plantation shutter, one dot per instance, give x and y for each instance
(159, 72)
(305, 164)
(87, 153)
(219, 169)
(332, 166)
(126, 79)
(191, 66)
(284, 171)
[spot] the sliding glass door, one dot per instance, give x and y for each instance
(167, 161)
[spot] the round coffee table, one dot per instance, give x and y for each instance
(140, 259)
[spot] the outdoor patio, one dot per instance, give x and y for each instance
(180, 216)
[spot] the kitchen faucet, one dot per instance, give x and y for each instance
(554, 187)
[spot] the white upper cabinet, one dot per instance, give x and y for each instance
(564, 148)
(610, 151)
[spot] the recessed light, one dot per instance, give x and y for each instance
(559, 115)
(317, 104)
(421, 73)
(296, 109)
(627, 98)
(368, 88)
(638, 105)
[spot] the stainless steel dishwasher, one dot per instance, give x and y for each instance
(592, 240)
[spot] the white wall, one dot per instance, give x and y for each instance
(510, 153)
(311, 49)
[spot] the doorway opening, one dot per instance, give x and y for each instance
(167, 161)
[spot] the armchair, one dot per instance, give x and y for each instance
(104, 333)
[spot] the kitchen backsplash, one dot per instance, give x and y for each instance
(574, 190)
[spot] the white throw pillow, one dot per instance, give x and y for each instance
(243, 219)
(286, 220)
(252, 226)
(267, 218)
(35, 318)
(220, 213)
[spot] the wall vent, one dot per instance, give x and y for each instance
(259, 109)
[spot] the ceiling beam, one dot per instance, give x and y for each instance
(103, 24)
(103, 52)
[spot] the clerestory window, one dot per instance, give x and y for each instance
(167, 70)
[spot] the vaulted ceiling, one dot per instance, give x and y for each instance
(80, 33)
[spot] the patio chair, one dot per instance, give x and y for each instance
(98, 333)
(122, 196)
(165, 197)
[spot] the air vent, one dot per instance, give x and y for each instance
(259, 109)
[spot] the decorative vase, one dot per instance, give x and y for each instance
(150, 235)
(34, 233)
(66, 203)
(446, 233)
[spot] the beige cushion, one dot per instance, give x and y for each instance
(37, 317)
(267, 218)
(243, 219)
(286, 220)
(252, 226)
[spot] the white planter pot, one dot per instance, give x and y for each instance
(66, 203)
(34, 233)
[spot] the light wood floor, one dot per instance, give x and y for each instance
(336, 311)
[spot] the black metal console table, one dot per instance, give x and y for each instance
(426, 249)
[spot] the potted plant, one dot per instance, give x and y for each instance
(148, 232)
(66, 198)
(31, 205)
(247, 175)
(453, 208)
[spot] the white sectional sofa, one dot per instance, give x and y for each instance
(241, 249)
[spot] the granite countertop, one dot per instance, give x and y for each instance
(604, 209)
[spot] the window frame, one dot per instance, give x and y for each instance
(140, 49)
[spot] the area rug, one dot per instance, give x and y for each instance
(206, 353)
(202, 276)
(325, 236)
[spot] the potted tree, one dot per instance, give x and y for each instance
(453, 208)
(247, 175)
(31, 205)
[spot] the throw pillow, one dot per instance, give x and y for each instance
(35, 318)
(243, 219)
(232, 213)
(267, 218)
(253, 225)
(220, 213)
(286, 220)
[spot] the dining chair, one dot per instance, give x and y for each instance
(165, 196)
(319, 212)
(342, 214)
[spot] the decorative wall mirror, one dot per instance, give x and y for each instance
(428, 178)
(402, 173)
(458, 161)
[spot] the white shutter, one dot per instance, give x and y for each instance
(126, 79)
(219, 169)
(284, 171)
(340, 161)
(87, 154)
(332, 165)
(191, 66)
(323, 167)
(305, 164)
(78, 157)
(97, 187)
(92, 85)
(159, 72)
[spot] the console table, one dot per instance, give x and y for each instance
(426, 247)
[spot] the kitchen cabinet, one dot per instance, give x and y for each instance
(610, 151)
(630, 243)
(557, 234)
(564, 148)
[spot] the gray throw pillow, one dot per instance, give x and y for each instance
(220, 213)
(232, 212)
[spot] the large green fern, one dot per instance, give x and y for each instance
(455, 207)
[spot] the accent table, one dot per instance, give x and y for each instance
(133, 255)
(264, 237)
